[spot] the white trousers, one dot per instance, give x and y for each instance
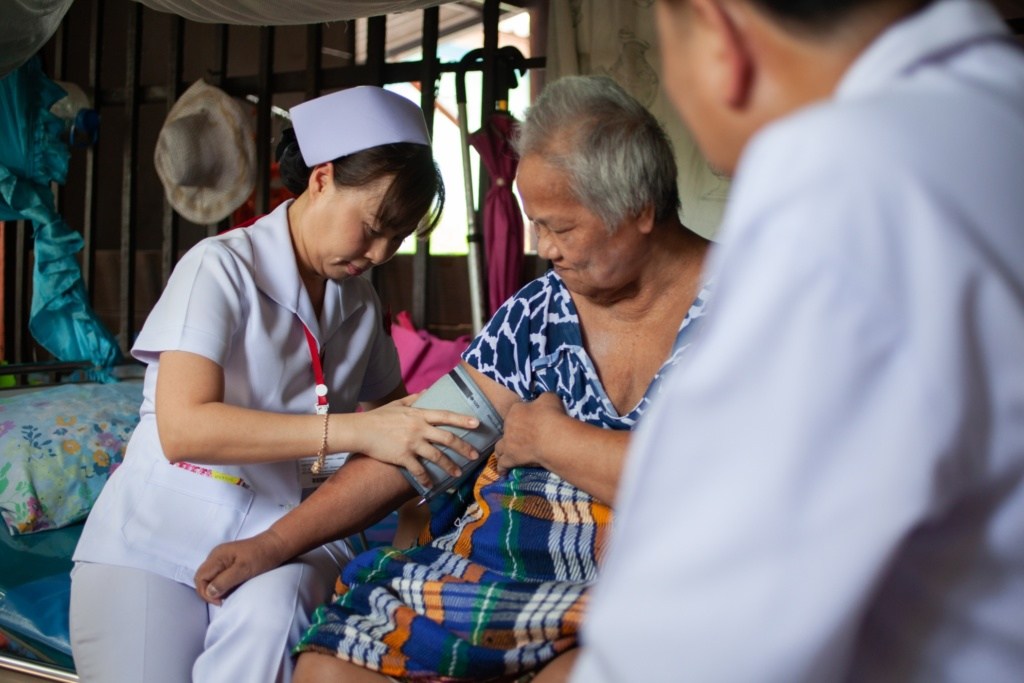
(132, 626)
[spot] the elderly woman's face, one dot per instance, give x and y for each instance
(578, 244)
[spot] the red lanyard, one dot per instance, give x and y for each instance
(318, 372)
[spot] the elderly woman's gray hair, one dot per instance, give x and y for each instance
(618, 159)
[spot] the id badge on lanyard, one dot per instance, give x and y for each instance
(307, 479)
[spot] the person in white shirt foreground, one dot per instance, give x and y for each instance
(832, 486)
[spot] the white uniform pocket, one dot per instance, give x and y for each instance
(181, 515)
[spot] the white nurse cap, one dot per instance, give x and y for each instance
(355, 119)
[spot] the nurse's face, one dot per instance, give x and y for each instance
(591, 261)
(343, 238)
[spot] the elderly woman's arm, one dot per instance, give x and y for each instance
(355, 497)
(539, 433)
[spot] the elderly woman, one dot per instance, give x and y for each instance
(498, 583)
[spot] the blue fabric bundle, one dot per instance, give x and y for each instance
(32, 155)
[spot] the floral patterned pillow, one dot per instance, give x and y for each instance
(58, 445)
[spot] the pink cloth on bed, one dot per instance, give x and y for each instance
(424, 357)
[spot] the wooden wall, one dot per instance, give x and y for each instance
(135, 62)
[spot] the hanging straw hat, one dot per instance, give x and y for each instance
(206, 155)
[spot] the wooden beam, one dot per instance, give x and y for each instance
(171, 220)
(314, 58)
(129, 179)
(92, 157)
(428, 95)
(265, 93)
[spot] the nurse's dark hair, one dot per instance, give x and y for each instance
(615, 155)
(415, 197)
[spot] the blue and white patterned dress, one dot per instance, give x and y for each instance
(498, 585)
(534, 344)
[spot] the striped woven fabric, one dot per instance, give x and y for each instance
(498, 585)
(497, 596)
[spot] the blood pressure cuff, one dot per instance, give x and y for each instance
(457, 392)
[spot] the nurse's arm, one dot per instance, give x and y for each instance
(195, 424)
(357, 496)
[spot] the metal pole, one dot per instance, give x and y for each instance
(129, 176)
(474, 238)
(421, 264)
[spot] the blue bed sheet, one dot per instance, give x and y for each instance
(35, 585)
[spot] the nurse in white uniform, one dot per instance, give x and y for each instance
(259, 352)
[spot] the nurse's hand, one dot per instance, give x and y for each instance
(231, 564)
(399, 434)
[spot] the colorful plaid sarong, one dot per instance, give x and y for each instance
(499, 595)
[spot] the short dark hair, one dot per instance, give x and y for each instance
(818, 16)
(414, 199)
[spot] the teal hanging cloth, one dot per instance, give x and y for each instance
(32, 155)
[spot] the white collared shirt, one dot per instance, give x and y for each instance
(832, 486)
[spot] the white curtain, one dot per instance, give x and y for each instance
(618, 38)
(28, 24)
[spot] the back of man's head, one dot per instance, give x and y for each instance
(824, 16)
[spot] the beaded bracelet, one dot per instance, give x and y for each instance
(321, 455)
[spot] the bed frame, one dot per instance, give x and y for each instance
(16, 670)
